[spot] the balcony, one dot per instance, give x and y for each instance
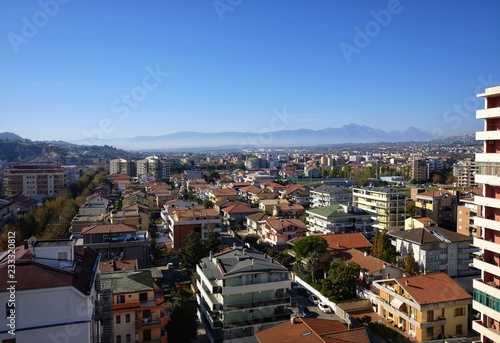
(146, 323)
(256, 287)
(488, 311)
(488, 113)
(488, 157)
(486, 223)
(490, 333)
(485, 201)
(487, 135)
(487, 266)
(488, 288)
(256, 321)
(485, 244)
(255, 304)
(492, 180)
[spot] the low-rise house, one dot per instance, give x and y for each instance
(372, 268)
(22, 203)
(339, 243)
(313, 330)
(296, 193)
(257, 178)
(240, 293)
(278, 231)
(286, 210)
(136, 215)
(440, 206)
(338, 218)
(221, 194)
(272, 186)
(236, 214)
(426, 307)
(254, 221)
(267, 206)
(255, 194)
(436, 249)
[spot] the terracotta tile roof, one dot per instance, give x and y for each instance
(237, 208)
(425, 220)
(345, 241)
(368, 263)
(107, 228)
(191, 213)
(279, 224)
(435, 194)
(433, 288)
(117, 265)
(257, 216)
(310, 330)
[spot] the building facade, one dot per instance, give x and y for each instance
(487, 287)
(240, 293)
(388, 206)
(35, 180)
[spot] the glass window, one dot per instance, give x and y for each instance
(118, 319)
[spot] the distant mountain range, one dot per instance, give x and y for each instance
(352, 133)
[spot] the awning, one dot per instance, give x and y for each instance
(396, 303)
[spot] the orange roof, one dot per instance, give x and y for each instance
(368, 264)
(278, 224)
(237, 208)
(344, 241)
(224, 192)
(114, 265)
(432, 288)
(311, 330)
(107, 228)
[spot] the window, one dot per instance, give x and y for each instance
(119, 339)
(459, 312)
(120, 299)
(430, 332)
(127, 338)
(458, 329)
(127, 318)
(143, 297)
(118, 319)
(146, 313)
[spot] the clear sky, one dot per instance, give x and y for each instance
(74, 68)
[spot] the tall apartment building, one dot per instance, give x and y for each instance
(387, 205)
(487, 288)
(122, 166)
(419, 170)
(465, 171)
(35, 180)
(240, 293)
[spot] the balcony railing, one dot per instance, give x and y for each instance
(256, 321)
(254, 304)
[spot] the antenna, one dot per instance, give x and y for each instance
(32, 240)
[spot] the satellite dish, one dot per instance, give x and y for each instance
(32, 240)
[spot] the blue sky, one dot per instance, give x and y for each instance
(70, 69)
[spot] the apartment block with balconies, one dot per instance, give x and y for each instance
(387, 206)
(487, 287)
(241, 292)
(138, 306)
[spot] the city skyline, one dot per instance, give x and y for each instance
(84, 70)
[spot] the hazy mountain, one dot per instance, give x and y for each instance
(10, 136)
(352, 133)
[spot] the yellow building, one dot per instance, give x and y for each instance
(138, 312)
(427, 307)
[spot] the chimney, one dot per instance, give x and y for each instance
(210, 255)
(26, 244)
(366, 253)
(407, 282)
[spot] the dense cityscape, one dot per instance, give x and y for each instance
(253, 244)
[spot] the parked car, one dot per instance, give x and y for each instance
(303, 311)
(314, 299)
(325, 308)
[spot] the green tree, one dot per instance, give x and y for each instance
(309, 244)
(192, 252)
(340, 283)
(410, 265)
(251, 239)
(182, 325)
(382, 247)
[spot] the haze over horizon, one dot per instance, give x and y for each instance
(74, 70)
